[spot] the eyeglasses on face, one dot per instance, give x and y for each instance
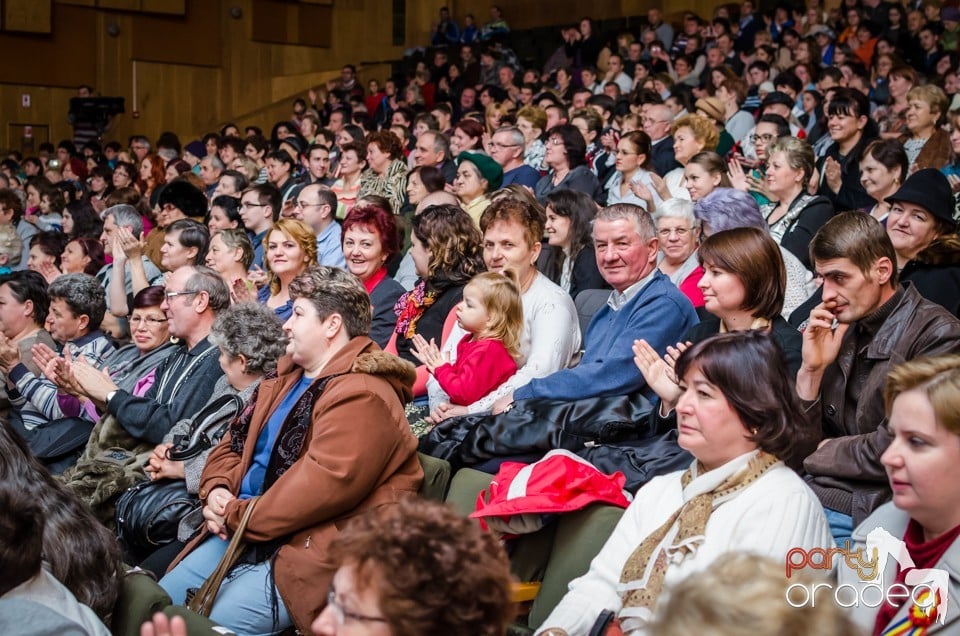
(342, 614)
(170, 295)
(764, 138)
(249, 206)
(679, 231)
(150, 321)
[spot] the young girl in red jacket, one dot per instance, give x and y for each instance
(491, 313)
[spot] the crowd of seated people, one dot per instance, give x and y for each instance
(745, 226)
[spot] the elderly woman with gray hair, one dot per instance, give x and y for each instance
(728, 208)
(251, 341)
(679, 233)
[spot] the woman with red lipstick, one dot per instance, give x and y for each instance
(370, 239)
(923, 468)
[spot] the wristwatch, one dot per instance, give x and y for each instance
(110, 395)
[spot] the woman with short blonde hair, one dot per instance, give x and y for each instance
(926, 143)
(691, 134)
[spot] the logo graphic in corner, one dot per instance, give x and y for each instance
(929, 584)
(924, 590)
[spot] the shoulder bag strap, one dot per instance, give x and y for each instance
(202, 601)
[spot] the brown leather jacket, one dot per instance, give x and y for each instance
(849, 465)
(360, 455)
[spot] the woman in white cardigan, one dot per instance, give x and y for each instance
(738, 416)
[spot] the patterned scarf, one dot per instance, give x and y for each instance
(641, 580)
(411, 305)
(292, 434)
(286, 451)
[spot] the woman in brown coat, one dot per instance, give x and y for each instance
(322, 442)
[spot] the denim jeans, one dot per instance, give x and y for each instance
(244, 602)
(841, 526)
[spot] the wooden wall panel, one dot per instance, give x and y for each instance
(250, 82)
(190, 39)
(48, 107)
(61, 59)
(283, 22)
(27, 16)
(176, 7)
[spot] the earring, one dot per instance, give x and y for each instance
(754, 431)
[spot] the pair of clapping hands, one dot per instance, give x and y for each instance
(73, 376)
(428, 353)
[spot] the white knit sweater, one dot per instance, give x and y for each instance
(769, 517)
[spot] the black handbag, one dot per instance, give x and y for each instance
(149, 514)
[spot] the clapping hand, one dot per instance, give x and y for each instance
(660, 186)
(50, 272)
(737, 177)
(9, 354)
(94, 383)
(131, 246)
(428, 353)
(243, 291)
(832, 174)
(658, 372)
(258, 276)
(55, 369)
(643, 193)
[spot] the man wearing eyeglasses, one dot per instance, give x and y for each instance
(656, 123)
(316, 206)
(184, 381)
(259, 210)
(506, 148)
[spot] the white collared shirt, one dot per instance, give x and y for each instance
(617, 300)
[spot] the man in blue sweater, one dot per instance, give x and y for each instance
(644, 304)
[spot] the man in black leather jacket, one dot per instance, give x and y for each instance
(865, 325)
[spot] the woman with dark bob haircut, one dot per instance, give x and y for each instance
(729, 208)
(743, 285)
(566, 163)
(370, 240)
(739, 417)
(420, 568)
